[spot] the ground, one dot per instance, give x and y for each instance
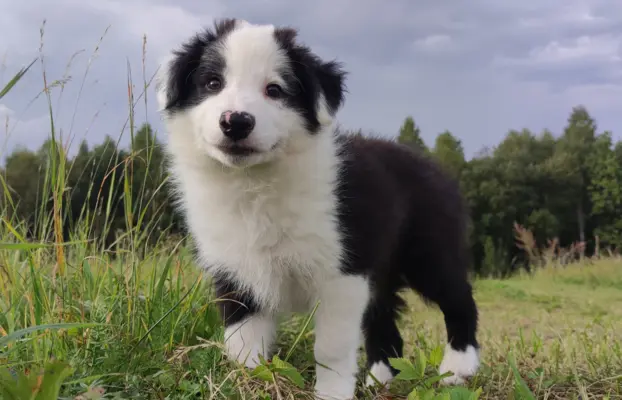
(159, 333)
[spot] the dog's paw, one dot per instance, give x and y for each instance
(463, 364)
(381, 374)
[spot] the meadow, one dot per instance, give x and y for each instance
(148, 328)
(138, 319)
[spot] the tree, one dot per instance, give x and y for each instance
(448, 150)
(24, 179)
(410, 135)
(605, 191)
(575, 147)
(618, 152)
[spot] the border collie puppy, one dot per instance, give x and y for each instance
(287, 213)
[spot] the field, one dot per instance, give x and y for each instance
(157, 334)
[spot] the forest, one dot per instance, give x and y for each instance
(555, 194)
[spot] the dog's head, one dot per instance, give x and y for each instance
(245, 94)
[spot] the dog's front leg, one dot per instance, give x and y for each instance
(249, 329)
(337, 335)
(249, 338)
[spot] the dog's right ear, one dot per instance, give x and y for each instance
(175, 79)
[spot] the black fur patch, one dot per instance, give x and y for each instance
(234, 304)
(193, 65)
(308, 77)
(404, 226)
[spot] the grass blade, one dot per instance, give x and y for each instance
(20, 74)
(22, 332)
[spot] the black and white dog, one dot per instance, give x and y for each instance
(287, 213)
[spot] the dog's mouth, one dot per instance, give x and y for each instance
(237, 150)
(240, 150)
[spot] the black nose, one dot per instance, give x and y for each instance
(236, 125)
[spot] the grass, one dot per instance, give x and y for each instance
(82, 323)
(157, 335)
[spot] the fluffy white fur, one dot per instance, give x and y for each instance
(462, 364)
(337, 335)
(246, 340)
(267, 226)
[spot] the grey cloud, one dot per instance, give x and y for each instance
(479, 80)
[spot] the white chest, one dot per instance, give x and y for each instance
(279, 237)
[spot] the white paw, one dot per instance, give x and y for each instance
(381, 372)
(331, 385)
(242, 353)
(462, 364)
(247, 340)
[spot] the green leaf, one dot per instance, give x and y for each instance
(421, 363)
(432, 380)
(294, 376)
(436, 356)
(278, 363)
(14, 385)
(475, 395)
(428, 395)
(406, 368)
(287, 370)
(53, 376)
(463, 393)
(443, 396)
(262, 372)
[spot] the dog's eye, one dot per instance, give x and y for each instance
(214, 84)
(274, 91)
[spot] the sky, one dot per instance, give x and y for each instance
(476, 68)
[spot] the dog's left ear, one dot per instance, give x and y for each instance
(330, 75)
(331, 78)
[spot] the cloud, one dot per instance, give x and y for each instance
(5, 111)
(478, 68)
(601, 49)
(583, 60)
(433, 43)
(29, 133)
(165, 25)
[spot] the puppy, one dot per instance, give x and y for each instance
(287, 213)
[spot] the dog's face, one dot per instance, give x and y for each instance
(248, 93)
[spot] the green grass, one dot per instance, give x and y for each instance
(158, 334)
(81, 322)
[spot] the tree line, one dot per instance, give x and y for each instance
(560, 191)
